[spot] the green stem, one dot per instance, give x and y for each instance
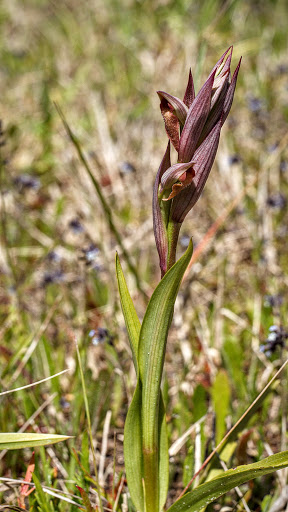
(151, 478)
(173, 230)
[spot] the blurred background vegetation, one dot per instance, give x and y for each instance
(102, 62)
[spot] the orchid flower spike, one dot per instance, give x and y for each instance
(193, 127)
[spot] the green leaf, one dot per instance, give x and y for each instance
(152, 345)
(14, 441)
(133, 433)
(133, 453)
(210, 491)
(132, 321)
(163, 455)
(42, 498)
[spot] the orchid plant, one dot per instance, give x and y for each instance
(193, 127)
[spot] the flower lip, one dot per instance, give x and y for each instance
(178, 176)
(171, 121)
(179, 106)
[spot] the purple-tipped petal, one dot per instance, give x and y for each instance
(178, 176)
(178, 105)
(189, 95)
(221, 83)
(218, 64)
(222, 98)
(230, 93)
(227, 64)
(171, 122)
(204, 157)
(158, 223)
(215, 113)
(195, 121)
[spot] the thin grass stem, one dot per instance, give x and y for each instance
(89, 424)
(226, 437)
(106, 208)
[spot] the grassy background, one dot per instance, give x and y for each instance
(102, 62)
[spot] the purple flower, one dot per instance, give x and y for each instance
(193, 127)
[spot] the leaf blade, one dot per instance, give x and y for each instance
(15, 441)
(152, 344)
(210, 491)
(133, 454)
(163, 455)
(132, 321)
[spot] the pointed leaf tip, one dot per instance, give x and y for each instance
(15, 440)
(132, 321)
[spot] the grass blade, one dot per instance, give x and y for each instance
(89, 428)
(42, 499)
(106, 208)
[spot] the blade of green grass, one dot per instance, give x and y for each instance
(41, 497)
(89, 424)
(239, 425)
(106, 208)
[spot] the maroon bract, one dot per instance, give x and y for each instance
(193, 126)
